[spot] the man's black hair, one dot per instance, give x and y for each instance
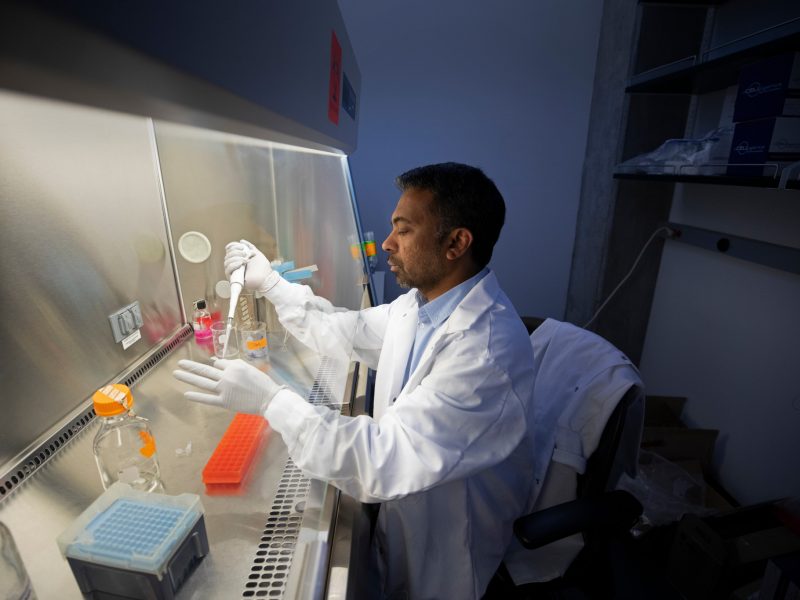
(463, 197)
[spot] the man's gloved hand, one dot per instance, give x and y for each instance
(259, 275)
(231, 384)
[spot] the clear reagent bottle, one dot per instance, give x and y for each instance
(201, 320)
(124, 447)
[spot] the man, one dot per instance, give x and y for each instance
(448, 451)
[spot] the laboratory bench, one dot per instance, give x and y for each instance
(272, 537)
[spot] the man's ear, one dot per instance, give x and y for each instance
(459, 241)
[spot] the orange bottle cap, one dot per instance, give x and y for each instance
(112, 400)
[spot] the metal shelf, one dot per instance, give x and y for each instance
(762, 182)
(684, 2)
(719, 67)
(786, 177)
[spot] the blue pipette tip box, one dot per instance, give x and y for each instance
(132, 544)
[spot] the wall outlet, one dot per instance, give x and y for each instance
(126, 321)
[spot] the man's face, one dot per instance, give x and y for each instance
(416, 255)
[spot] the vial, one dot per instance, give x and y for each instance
(14, 577)
(124, 447)
(201, 320)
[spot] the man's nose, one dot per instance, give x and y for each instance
(388, 244)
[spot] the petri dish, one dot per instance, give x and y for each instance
(194, 247)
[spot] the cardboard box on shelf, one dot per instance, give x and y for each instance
(781, 578)
(692, 449)
(748, 591)
(712, 557)
(769, 88)
(663, 411)
(681, 443)
(713, 499)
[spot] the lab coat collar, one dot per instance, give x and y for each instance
(474, 304)
(438, 310)
(479, 299)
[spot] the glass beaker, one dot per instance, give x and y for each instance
(253, 339)
(226, 343)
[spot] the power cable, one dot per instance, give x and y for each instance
(669, 232)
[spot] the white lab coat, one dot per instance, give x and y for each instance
(580, 378)
(448, 454)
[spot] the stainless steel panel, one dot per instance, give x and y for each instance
(82, 234)
(262, 69)
(41, 508)
(349, 573)
(290, 202)
(38, 454)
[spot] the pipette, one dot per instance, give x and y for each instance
(237, 283)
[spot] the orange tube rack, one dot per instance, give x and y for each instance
(236, 450)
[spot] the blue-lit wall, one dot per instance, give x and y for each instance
(505, 86)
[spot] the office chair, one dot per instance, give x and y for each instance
(588, 416)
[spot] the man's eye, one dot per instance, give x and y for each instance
(402, 231)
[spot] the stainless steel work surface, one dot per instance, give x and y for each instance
(186, 434)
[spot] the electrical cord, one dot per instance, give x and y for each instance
(670, 233)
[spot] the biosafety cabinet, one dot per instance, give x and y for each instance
(136, 140)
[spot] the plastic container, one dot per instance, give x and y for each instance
(130, 544)
(236, 450)
(16, 585)
(124, 447)
(201, 320)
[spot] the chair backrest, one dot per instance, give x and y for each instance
(600, 468)
(588, 407)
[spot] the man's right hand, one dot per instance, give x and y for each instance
(232, 384)
(259, 275)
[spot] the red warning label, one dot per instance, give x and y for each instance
(335, 85)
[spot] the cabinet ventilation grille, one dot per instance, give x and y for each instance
(270, 568)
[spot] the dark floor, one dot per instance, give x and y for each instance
(624, 569)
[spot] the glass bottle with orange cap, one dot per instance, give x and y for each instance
(124, 447)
